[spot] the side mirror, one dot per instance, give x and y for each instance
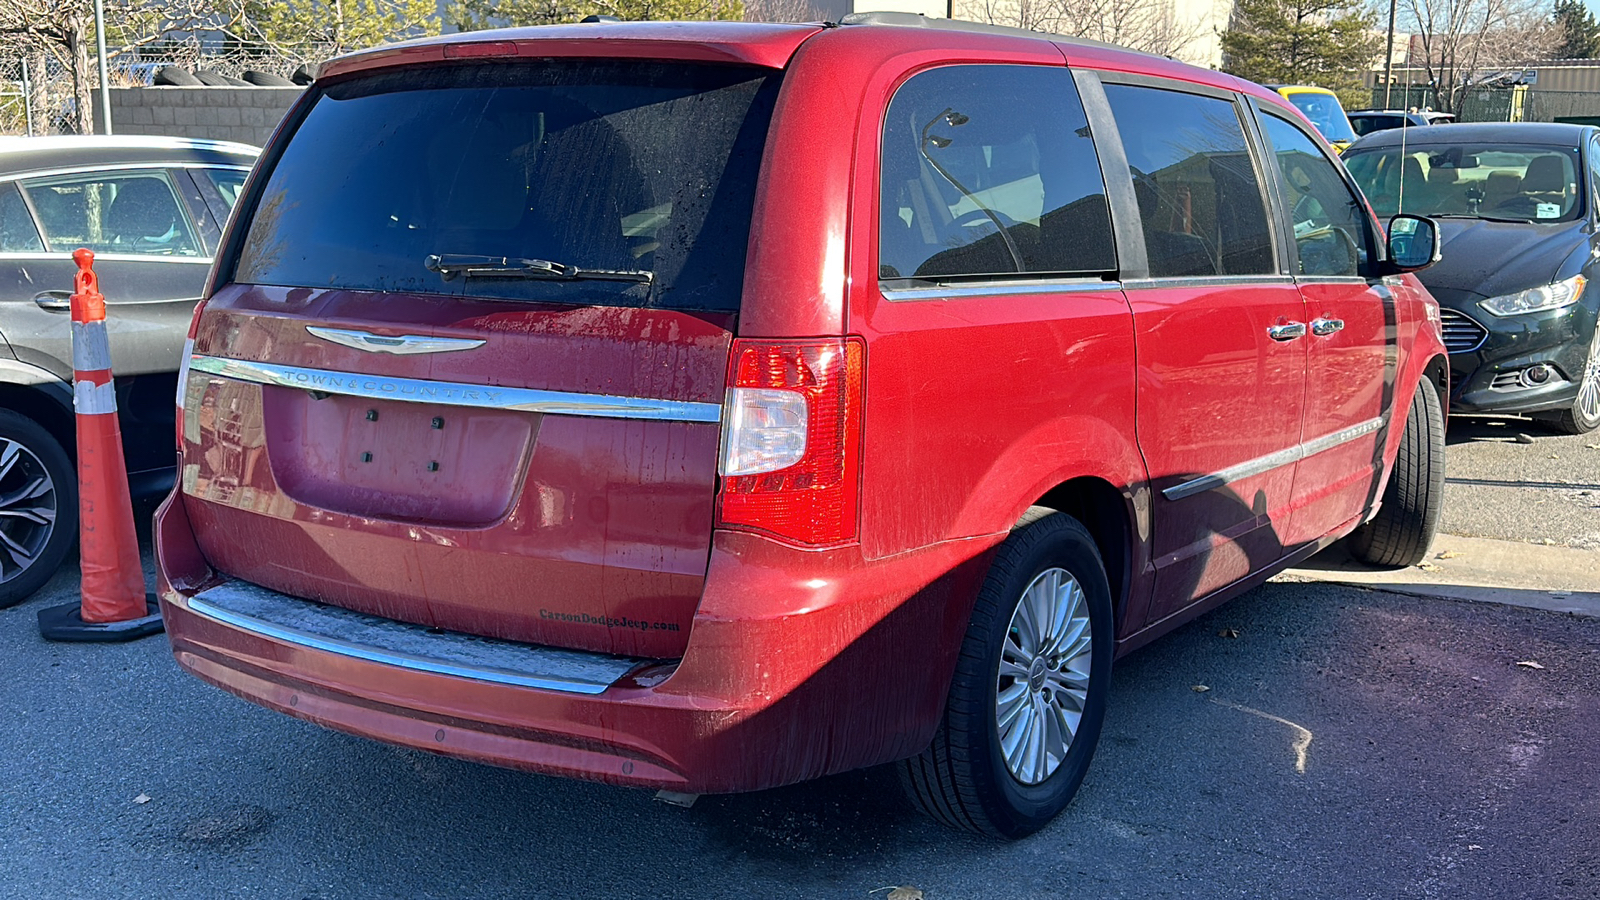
(1413, 243)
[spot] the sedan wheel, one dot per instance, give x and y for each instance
(38, 507)
(1584, 416)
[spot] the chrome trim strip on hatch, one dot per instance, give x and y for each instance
(454, 393)
(388, 642)
(400, 345)
(1271, 461)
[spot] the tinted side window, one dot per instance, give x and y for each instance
(113, 212)
(17, 234)
(1329, 227)
(227, 182)
(1199, 199)
(990, 170)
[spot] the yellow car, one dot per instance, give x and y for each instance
(1321, 106)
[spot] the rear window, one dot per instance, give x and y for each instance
(635, 179)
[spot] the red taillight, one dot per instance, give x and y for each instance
(183, 366)
(811, 499)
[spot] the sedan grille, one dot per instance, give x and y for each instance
(1461, 334)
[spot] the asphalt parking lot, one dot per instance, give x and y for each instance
(1349, 743)
(1508, 478)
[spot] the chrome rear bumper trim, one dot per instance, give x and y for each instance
(344, 632)
(455, 393)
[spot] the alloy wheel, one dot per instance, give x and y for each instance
(27, 508)
(1587, 406)
(1043, 682)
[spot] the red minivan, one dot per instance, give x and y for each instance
(707, 407)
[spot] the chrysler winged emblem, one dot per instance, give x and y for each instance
(403, 345)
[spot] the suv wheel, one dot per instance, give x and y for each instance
(1408, 517)
(1584, 416)
(38, 507)
(1030, 686)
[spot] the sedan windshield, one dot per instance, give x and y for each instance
(1504, 182)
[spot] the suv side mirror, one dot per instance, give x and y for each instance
(1413, 243)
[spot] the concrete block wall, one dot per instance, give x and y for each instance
(244, 114)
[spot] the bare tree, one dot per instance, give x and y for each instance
(62, 31)
(1464, 41)
(1149, 25)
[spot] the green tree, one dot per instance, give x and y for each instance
(1327, 43)
(1579, 30)
(472, 15)
(334, 26)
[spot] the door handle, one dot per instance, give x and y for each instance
(54, 301)
(1325, 327)
(1287, 332)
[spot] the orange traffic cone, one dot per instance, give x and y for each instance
(114, 604)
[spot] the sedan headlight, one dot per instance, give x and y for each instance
(1539, 299)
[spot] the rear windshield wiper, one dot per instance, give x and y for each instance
(453, 265)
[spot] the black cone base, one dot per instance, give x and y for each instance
(65, 623)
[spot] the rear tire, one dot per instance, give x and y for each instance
(1584, 415)
(1049, 679)
(1408, 518)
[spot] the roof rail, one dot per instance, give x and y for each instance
(918, 20)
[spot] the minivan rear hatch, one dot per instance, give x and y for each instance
(466, 363)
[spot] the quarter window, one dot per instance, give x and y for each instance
(1200, 203)
(17, 234)
(1330, 229)
(227, 182)
(116, 212)
(991, 171)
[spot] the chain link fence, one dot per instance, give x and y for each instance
(43, 102)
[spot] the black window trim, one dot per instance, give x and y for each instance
(905, 289)
(1376, 245)
(1131, 218)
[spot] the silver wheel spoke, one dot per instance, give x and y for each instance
(8, 457)
(1009, 705)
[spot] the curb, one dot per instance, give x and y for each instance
(1479, 570)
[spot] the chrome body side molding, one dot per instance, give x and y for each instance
(1271, 461)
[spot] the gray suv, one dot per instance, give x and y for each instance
(152, 210)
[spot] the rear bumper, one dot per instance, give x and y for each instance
(799, 664)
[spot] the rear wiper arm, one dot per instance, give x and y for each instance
(453, 265)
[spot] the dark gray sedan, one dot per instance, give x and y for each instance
(151, 209)
(1518, 219)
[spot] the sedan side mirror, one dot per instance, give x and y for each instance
(1413, 243)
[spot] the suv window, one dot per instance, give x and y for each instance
(1330, 230)
(625, 166)
(991, 170)
(113, 212)
(17, 233)
(1200, 202)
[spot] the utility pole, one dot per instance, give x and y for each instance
(1389, 55)
(27, 97)
(105, 75)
